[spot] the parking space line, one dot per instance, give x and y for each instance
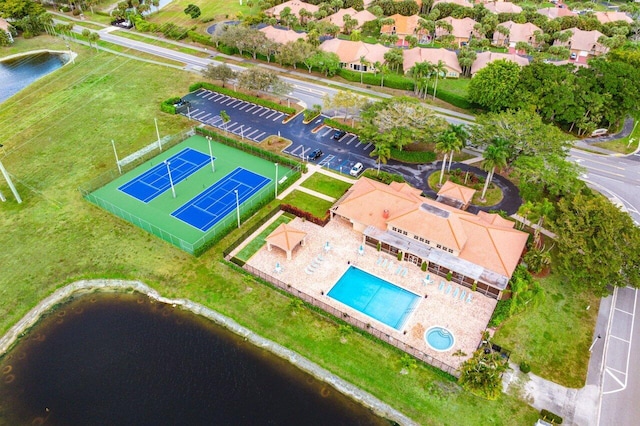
(200, 93)
(229, 100)
(233, 103)
(327, 132)
(215, 118)
(620, 338)
(258, 110)
(259, 136)
(266, 111)
(246, 104)
(624, 312)
(254, 105)
(351, 140)
(617, 371)
(252, 133)
(230, 126)
(205, 117)
(368, 146)
(277, 117)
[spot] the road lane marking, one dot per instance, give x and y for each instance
(626, 312)
(620, 338)
(604, 163)
(591, 169)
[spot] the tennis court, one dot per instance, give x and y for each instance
(216, 202)
(156, 180)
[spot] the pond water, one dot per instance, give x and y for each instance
(18, 73)
(125, 359)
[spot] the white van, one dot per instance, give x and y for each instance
(599, 132)
(356, 169)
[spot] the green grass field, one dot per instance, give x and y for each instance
(156, 214)
(326, 185)
(57, 137)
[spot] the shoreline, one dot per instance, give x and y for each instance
(61, 295)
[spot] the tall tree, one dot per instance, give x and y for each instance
(438, 68)
(222, 73)
(446, 143)
(495, 157)
(494, 87)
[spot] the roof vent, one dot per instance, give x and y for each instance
(385, 213)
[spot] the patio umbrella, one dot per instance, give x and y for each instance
(361, 250)
(327, 247)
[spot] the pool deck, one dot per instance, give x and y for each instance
(465, 320)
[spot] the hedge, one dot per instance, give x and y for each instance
(338, 125)
(168, 105)
(243, 97)
(413, 156)
(500, 313)
(392, 81)
(254, 150)
(384, 177)
(200, 38)
(551, 417)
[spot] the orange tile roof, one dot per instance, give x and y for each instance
(556, 12)
(281, 36)
(502, 7)
(286, 237)
(517, 32)
(362, 17)
(404, 25)
(605, 17)
(485, 58)
(462, 28)
(351, 51)
(456, 192)
(583, 41)
(486, 240)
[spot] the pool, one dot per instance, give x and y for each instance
(375, 297)
(439, 339)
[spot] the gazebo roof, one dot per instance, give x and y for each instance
(456, 192)
(286, 237)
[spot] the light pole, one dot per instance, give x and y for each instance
(155, 120)
(113, 144)
(276, 180)
(173, 190)
(188, 112)
(237, 206)
(594, 343)
(213, 167)
(10, 183)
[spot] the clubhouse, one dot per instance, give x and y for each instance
(478, 251)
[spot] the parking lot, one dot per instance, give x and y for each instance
(254, 122)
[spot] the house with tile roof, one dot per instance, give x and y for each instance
(338, 17)
(350, 53)
(480, 251)
(404, 26)
(584, 44)
(463, 3)
(502, 7)
(485, 58)
(606, 17)
(517, 33)
(295, 6)
(555, 12)
(462, 29)
(5, 26)
(278, 35)
(421, 54)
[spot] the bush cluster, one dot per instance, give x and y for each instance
(551, 417)
(392, 81)
(413, 156)
(525, 367)
(200, 38)
(168, 105)
(306, 215)
(383, 176)
(500, 313)
(243, 97)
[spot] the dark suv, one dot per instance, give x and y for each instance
(339, 134)
(315, 154)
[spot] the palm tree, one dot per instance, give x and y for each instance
(419, 71)
(225, 119)
(383, 152)
(438, 68)
(447, 141)
(455, 147)
(495, 156)
(363, 63)
(461, 133)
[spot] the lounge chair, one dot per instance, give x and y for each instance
(404, 272)
(455, 292)
(319, 258)
(448, 289)
(398, 270)
(463, 294)
(384, 262)
(441, 286)
(470, 298)
(379, 261)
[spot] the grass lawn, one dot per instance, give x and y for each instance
(255, 245)
(457, 86)
(57, 136)
(167, 45)
(555, 336)
(314, 205)
(211, 10)
(327, 185)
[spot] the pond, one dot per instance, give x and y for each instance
(19, 72)
(127, 359)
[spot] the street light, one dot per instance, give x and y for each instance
(276, 180)
(213, 167)
(237, 206)
(155, 120)
(173, 190)
(594, 343)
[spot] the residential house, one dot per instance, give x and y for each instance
(517, 33)
(351, 53)
(421, 54)
(6, 27)
(556, 12)
(462, 30)
(338, 17)
(295, 6)
(606, 17)
(478, 251)
(485, 58)
(404, 26)
(583, 44)
(502, 7)
(464, 3)
(281, 36)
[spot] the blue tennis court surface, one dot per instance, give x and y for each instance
(374, 297)
(217, 201)
(155, 181)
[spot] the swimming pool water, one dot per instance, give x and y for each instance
(375, 297)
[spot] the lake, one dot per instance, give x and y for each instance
(19, 72)
(127, 359)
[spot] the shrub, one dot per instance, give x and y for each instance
(500, 313)
(423, 267)
(525, 367)
(305, 215)
(449, 276)
(551, 417)
(399, 255)
(76, 12)
(168, 105)
(200, 38)
(393, 81)
(338, 125)
(413, 156)
(243, 97)
(65, 9)
(474, 287)
(383, 176)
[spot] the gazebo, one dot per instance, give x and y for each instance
(287, 238)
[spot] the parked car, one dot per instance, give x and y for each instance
(573, 56)
(122, 23)
(315, 154)
(180, 103)
(356, 169)
(339, 134)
